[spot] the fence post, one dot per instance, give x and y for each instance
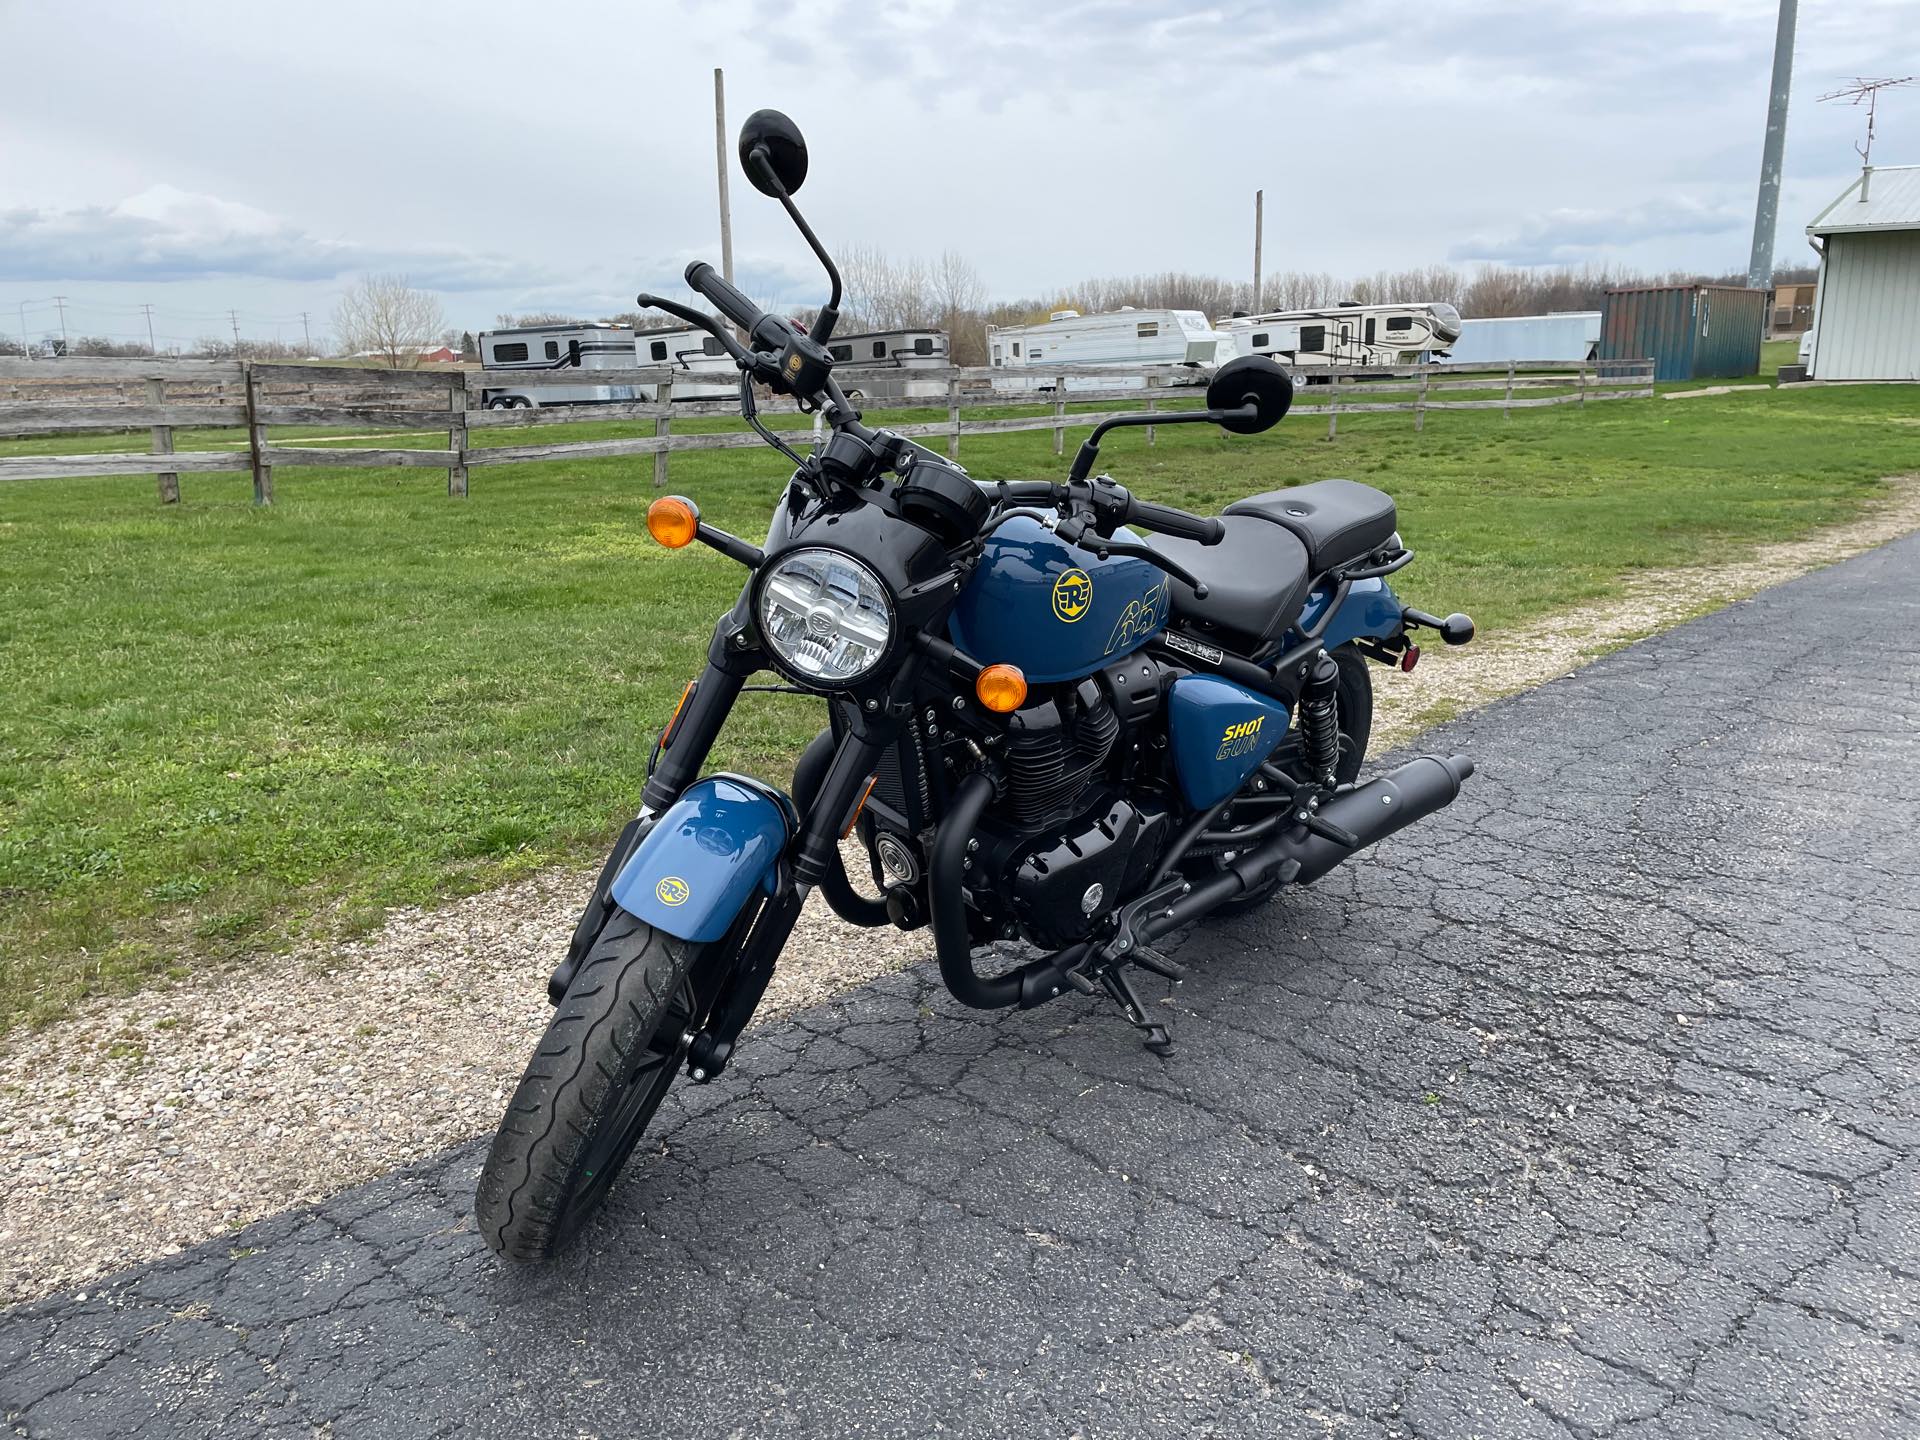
(1152, 404)
(1506, 405)
(953, 417)
(1059, 414)
(256, 441)
(1583, 385)
(457, 435)
(1333, 403)
(662, 429)
(163, 445)
(1420, 405)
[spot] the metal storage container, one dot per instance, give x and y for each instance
(1692, 332)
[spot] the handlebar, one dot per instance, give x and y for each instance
(1177, 523)
(764, 331)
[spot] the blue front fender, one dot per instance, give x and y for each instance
(1371, 608)
(700, 862)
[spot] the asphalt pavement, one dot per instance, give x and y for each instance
(1587, 1108)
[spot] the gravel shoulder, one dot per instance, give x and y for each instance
(149, 1123)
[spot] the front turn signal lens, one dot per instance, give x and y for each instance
(673, 520)
(1001, 688)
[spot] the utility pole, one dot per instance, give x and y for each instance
(61, 301)
(720, 155)
(26, 345)
(233, 316)
(304, 330)
(1766, 213)
(152, 349)
(1259, 227)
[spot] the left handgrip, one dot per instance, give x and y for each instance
(767, 332)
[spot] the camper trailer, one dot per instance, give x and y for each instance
(1348, 335)
(702, 369)
(897, 354)
(552, 356)
(1125, 337)
(1567, 335)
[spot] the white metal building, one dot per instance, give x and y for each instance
(1866, 314)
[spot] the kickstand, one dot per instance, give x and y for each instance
(1154, 1037)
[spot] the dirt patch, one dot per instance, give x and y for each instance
(151, 1122)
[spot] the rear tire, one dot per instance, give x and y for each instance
(610, 1054)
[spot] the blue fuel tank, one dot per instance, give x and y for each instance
(1055, 611)
(1221, 732)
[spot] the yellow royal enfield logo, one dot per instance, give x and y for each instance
(1239, 739)
(673, 890)
(793, 364)
(1072, 595)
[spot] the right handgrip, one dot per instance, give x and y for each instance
(1177, 523)
(765, 331)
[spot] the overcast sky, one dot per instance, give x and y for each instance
(204, 156)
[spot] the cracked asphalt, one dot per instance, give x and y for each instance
(1586, 1108)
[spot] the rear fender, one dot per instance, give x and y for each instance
(706, 855)
(1369, 609)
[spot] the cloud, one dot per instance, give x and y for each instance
(164, 234)
(1570, 236)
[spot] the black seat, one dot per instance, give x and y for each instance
(1256, 580)
(1337, 520)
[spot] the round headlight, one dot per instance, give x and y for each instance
(825, 616)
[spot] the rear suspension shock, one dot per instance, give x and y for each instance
(1320, 720)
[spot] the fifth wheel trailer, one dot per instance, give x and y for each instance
(1124, 339)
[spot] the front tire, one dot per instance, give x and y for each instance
(612, 1051)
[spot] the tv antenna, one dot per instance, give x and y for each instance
(1862, 90)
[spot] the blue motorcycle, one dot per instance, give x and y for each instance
(1057, 714)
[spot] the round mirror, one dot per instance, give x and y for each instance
(786, 151)
(1251, 380)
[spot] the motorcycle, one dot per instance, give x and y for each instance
(1057, 714)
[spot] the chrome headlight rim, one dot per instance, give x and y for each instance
(787, 664)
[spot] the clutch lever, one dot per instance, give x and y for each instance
(1074, 531)
(749, 360)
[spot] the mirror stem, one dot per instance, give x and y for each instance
(830, 312)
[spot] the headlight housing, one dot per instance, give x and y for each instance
(825, 616)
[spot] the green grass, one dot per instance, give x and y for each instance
(227, 728)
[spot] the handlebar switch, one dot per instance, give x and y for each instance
(804, 366)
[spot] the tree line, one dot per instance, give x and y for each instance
(383, 317)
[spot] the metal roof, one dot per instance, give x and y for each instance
(1892, 203)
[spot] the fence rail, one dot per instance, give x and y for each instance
(69, 396)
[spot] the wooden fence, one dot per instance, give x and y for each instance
(86, 395)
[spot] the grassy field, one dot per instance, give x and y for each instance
(227, 728)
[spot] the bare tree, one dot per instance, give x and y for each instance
(961, 296)
(534, 317)
(384, 316)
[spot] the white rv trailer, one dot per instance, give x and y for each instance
(1125, 337)
(1568, 335)
(897, 352)
(702, 368)
(552, 355)
(1348, 335)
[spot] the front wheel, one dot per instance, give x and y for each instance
(608, 1058)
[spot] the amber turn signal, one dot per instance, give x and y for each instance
(1001, 688)
(673, 520)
